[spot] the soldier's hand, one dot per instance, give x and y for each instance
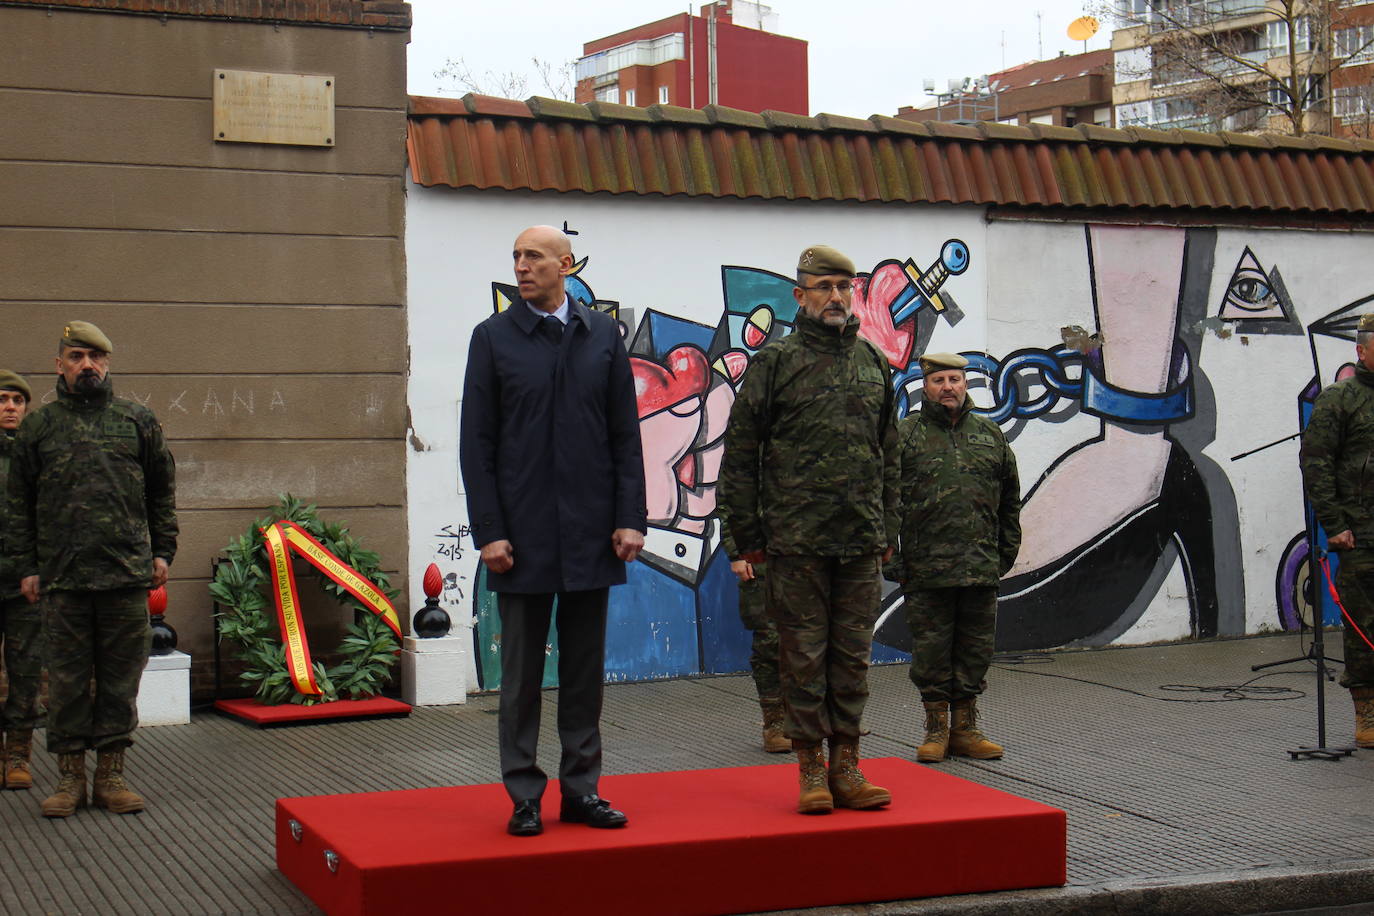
(28, 587)
(627, 543)
(1343, 541)
(753, 556)
(887, 554)
(498, 556)
(742, 569)
(159, 572)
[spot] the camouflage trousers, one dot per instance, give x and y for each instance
(22, 626)
(951, 639)
(1355, 584)
(825, 608)
(763, 657)
(102, 637)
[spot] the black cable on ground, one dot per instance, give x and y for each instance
(1224, 693)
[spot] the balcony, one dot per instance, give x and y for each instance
(645, 53)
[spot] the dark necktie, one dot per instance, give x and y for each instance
(551, 328)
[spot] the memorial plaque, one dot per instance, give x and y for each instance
(288, 108)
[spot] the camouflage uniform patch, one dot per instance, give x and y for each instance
(961, 530)
(809, 477)
(107, 633)
(753, 613)
(1337, 460)
(22, 625)
(92, 500)
(952, 633)
(826, 608)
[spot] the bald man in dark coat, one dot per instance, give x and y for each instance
(554, 473)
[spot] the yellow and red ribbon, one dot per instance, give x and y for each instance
(283, 539)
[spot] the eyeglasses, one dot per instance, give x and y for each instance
(825, 289)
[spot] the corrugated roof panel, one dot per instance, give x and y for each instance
(542, 144)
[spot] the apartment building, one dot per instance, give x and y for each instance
(1286, 66)
(728, 55)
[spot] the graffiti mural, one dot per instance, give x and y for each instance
(1152, 379)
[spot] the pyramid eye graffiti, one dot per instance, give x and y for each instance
(1256, 299)
(1250, 290)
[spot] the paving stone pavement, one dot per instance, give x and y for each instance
(1181, 795)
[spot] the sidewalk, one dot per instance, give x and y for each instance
(1179, 801)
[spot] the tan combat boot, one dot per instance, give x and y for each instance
(936, 743)
(847, 783)
(774, 741)
(965, 738)
(815, 793)
(18, 749)
(70, 793)
(108, 789)
(1364, 716)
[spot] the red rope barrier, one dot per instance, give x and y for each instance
(1331, 587)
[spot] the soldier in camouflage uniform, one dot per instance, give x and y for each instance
(20, 622)
(809, 480)
(961, 529)
(763, 657)
(1336, 457)
(92, 513)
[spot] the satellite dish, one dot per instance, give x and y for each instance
(1083, 28)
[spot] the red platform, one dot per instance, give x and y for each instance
(705, 841)
(252, 711)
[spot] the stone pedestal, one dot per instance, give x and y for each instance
(164, 694)
(432, 671)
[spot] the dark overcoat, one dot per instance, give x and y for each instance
(550, 450)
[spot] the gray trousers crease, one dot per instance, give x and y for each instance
(581, 675)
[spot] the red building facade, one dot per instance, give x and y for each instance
(691, 61)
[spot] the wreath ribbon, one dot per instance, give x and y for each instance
(283, 538)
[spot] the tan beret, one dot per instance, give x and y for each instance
(1367, 322)
(15, 382)
(934, 362)
(822, 259)
(85, 334)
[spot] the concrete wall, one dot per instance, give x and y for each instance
(254, 293)
(1132, 366)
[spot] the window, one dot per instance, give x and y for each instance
(1356, 43)
(1351, 101)
(629, 96)
(663, 95)
(1277, 37)
(1313, 90)
(608, 94)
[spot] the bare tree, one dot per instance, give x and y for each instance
(1234, 64)
(556, 80)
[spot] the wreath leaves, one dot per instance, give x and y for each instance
(368, 648)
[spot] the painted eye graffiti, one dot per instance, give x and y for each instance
(1250, 291)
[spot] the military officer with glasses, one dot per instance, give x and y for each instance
(810, 483)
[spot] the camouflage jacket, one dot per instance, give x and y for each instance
(9, 579)
(1337, 457)
(961, 500)
(810, 464)
(92, 493)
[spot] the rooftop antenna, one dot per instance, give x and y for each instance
(1039, 35)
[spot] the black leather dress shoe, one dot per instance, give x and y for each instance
(525, 820)
(591, 810)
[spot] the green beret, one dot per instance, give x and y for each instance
(15, 382)
(935, 362)
(822, 259)
(1367, 322)
(85, 334)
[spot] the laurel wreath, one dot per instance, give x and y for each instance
(368, 650)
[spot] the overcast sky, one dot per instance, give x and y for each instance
(866, 56)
